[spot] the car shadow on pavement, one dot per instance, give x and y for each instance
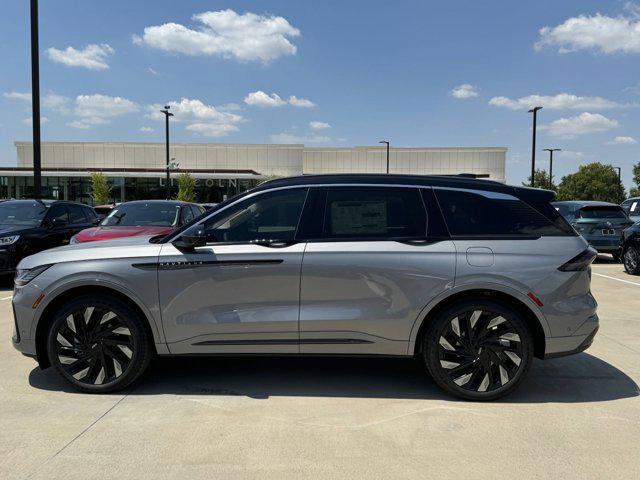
(581, 378)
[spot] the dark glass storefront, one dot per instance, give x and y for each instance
(123, 189)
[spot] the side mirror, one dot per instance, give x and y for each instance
(192, 237)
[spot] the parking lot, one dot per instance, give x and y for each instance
(574, 417)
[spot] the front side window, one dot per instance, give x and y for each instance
(265, 217)
(58, 214)
(477, 214)
(143, 214)
(76, 214)
(374, 212)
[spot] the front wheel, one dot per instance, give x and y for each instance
(631, 260)
(478, 350)
(98, 344)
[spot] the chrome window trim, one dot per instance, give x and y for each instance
(320, 185)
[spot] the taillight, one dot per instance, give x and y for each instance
(580, 262)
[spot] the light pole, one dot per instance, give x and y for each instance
(167, 114)
(35, 101)
(551, 150)
(384, 141)
(534, 110)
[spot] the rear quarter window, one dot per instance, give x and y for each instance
(490, 214)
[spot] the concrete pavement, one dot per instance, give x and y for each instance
(574, 417)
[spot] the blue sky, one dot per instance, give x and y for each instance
(419, 73)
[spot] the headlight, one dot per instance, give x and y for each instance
(73, 240)
(25, 275)
(9, 240)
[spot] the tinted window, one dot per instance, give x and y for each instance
(492, 214)
(28, 214)
(76, 214)
(269, 216)
(374, 212)
(564, 210)
(153, 214)
(601, 212)
(187, 213)
(58, 212)
(90, 213)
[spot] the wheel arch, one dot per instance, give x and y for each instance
(48, 312)
(486, 293)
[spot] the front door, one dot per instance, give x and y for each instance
(241, 292)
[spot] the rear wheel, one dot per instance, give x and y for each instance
(631, 260)
(98, 344)
(478, 350)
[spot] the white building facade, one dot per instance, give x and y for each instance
(138, 170)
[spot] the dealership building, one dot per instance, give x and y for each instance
(138, 170)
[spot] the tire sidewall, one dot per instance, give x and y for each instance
(140, 355)
(434, 331)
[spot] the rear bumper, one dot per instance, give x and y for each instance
(583, 338)
(609, 243)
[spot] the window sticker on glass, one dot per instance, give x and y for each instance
(357, 218)
(633, 207)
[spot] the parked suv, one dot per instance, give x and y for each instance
(29, 226)
(472, 276)
(600, 223)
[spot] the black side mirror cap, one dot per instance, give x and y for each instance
(193, 237)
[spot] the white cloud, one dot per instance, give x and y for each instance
(620, 140)
(93, 57)
(300, 102)
(79, 125)
(98, 109)
(597, 32)
(224, 33)
(561, 101)
(464, 91)
(288, 138)
(146, 129)
(570, 155)
(212, 129)
(26, 96)
(579, 125)
(152, 71)
(29, 121)
(262, 99)
(319, 125)
(230, 107)
(202, 119)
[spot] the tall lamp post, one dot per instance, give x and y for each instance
(551, 150)
(35, 101)
(384, 141)
(534, 110)
(167, 114)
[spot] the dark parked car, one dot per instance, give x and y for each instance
(600, 223)
(630, 249)
(631, 207)
(30, 226)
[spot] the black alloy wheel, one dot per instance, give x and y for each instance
(631, 260)
(98, 344)
(478, 350)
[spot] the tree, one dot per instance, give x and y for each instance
(541, 181)
(593, 181)
(186, 187)
(100, 188)
(635, 192)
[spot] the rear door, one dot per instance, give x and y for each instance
(373, 260)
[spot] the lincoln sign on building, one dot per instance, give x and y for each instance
(138, 170)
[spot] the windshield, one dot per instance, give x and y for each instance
(142, 214)
(602, 212)
(28, 214)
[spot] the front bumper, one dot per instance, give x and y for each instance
(24, 316)
(579, 342)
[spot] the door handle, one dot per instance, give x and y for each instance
(275, 243)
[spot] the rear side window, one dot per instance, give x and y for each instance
(374, 212)
(76, 214)
(601, 212)
(477, 214)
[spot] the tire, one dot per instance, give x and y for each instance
(489, 367)
(98, 344)
(631, 260)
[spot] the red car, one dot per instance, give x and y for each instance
(142, 217)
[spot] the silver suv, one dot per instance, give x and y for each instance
(472, 276)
